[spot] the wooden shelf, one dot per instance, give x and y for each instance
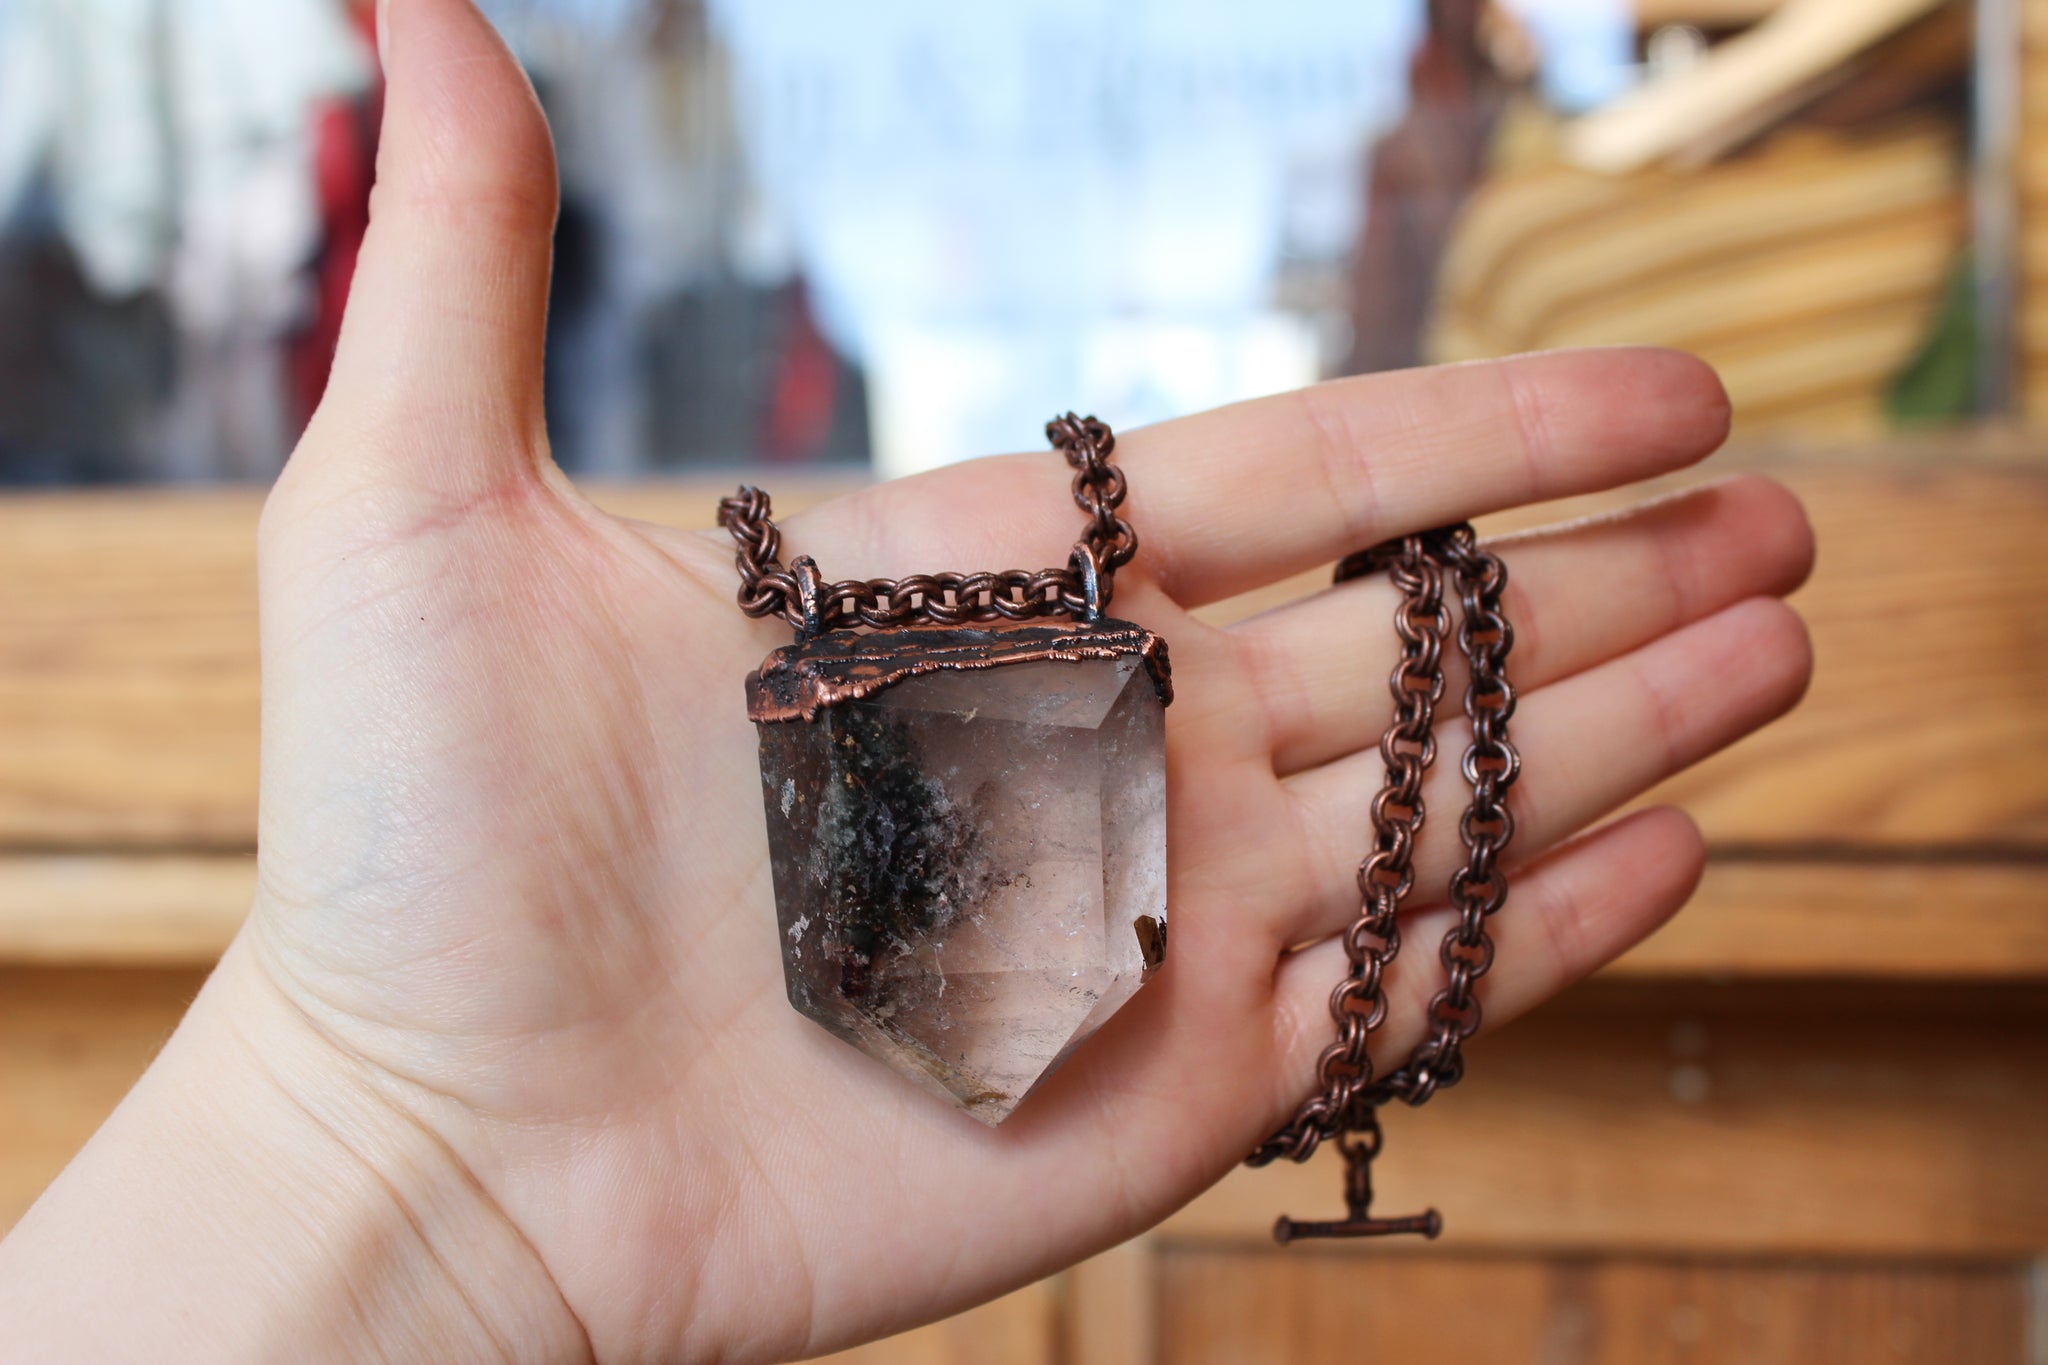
(1750, 920)
(1825, 1082)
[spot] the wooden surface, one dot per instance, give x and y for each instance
(2030, 176)
(1020, 1329)
(128, 667)
(1878, 920)
(1719, 1119)
(71, 1043)
(121, 909)
(1925, 727)
(128, 671)
(1803, 1123)
(1807, 270)
(1235, 1308)
(1112, 1307)
(1791, 1119)
(1752, 918)
(1741, 1128)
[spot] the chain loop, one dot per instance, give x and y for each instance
(1107, 544)
(1348, 1094)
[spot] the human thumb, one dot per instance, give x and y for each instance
(436, 383)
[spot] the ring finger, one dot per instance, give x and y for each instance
(1589, 743)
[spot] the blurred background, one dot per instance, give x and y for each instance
(898, 234)
(821, 243)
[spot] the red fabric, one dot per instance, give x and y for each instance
(804, 391)
(344, 168)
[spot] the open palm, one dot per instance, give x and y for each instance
(512, 859)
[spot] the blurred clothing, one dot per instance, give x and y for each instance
(175, 144)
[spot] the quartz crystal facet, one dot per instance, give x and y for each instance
(968, 842)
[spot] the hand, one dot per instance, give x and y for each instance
(513, 957)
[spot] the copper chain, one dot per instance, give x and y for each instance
(1081, 589)
(1346, 1103)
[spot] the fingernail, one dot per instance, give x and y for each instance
(384, 34)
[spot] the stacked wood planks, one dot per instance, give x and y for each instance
(1807, 270)
(2031, 170)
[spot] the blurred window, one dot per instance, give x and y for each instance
(898, 233)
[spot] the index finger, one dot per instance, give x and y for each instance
(1245, 495)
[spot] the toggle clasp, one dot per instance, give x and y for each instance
(1359, 1149)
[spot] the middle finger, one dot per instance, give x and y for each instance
(1577, 596)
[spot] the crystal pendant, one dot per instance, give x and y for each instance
(967, 832)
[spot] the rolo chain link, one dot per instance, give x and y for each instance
(1345, 1105)
(1081, 589)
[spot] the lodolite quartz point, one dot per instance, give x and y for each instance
(970, 861)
